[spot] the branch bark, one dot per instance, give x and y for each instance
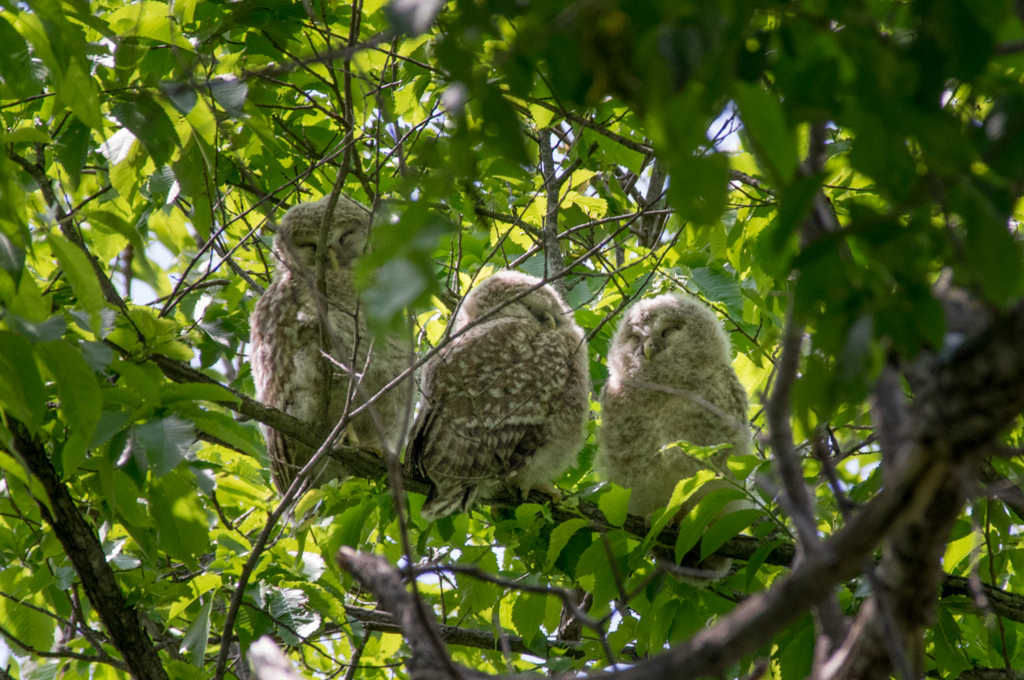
(972, 398)
(367, 465)
(84, 550)
(549, 234)
(384, 622)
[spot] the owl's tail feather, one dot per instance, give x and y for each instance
(447, 501)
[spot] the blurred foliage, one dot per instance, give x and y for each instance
(167, 139)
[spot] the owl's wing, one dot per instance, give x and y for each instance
(490, 394)
(284, 379)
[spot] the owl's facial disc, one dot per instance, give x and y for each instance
(661, 334)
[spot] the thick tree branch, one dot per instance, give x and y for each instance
(366, 464)
(753, 623)
(86, 554)
(549, 234)
(427, 662)
(972, 398)
(384, 622)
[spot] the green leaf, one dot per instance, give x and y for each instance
(16, 466)
(223, 427)
(110, 423)
(560, 536)
(12, 258)
(166, 441)
(80, 90)
(724, 529)
(252, 624)
(72, 147)
(230, 93)
(796, 657)
(148, 19)
(197, 634)
(719, 287)
(684, 489)
(174, 392)
(21, 390)
(29, 134)
(182, 95)
(19, 74)
(614, 503)
(692, 526)
(957, 550)
(149, 122)
(30, 626)
(618, 154)
(80, 275)
(699, 186)
(946, 637)
(503, 130)
(528, 615)
(51, 329)
(179, 517)
(80, 398)
(758, 558)
(347, 529)
(765, 123)
(994, 256)
(294, 620)
(742, 466)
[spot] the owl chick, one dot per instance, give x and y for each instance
(285, 351)
(675, 341)
(507, 400)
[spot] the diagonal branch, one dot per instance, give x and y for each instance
(86, 554)
(974, 396)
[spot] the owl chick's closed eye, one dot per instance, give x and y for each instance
(505, 401)
(298, 234)
(675, 341)
(285, 351)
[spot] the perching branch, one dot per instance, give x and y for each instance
(384, 622)
(953, 421)
(366, 464)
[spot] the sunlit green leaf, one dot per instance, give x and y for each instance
(178, 516)
(80, 275)
(21, 390)
(197, 634)
(80, 398)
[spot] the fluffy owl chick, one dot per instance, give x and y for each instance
(286, 341)
(507, 400)
(675, 341)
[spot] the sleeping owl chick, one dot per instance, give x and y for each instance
(506, 401)
(286, 341)
(670, 340)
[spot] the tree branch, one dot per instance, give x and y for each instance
(86, 554)
(376, 620)
(974, 396)
(366, 464)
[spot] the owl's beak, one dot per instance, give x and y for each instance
(649, 350)
(550, 320)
